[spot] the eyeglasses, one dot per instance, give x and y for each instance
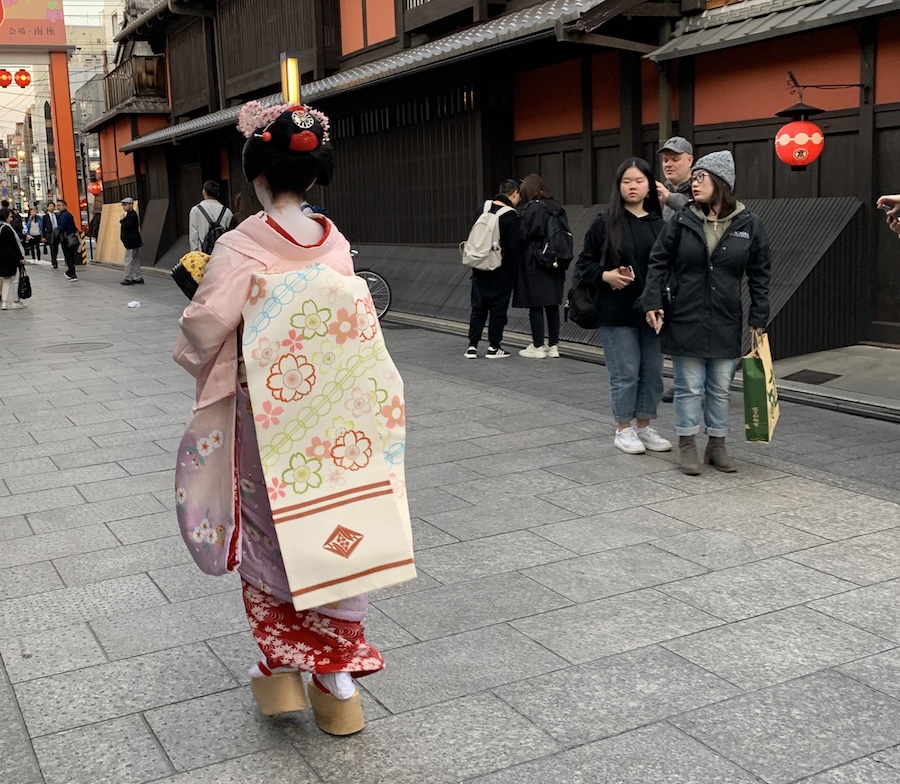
(700, 176)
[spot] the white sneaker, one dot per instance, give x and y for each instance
(553, 352)
(533, 352)
(653, 440)
(16, 306)
(627, 440)
(471, 353)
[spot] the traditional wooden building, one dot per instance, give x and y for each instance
(434, 101)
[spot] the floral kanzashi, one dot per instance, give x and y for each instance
(265, 353)
(366, 321)
(292, 378)
(312, 321)
(394, 413)
(269, 415)
(360, 401)
(345, 327)
(293, 342)
(257, 291)
(303, 473)
(352, 451)
(318, 448)
(276, 489)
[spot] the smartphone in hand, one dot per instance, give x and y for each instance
(627, 272)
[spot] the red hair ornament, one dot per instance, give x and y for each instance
(305, 141)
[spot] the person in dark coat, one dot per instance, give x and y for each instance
(130, 234)
(538, 287)
(11, 257)
(702, 256)
(50, 231)
(491, 288)
(615, 257)
(69, 238)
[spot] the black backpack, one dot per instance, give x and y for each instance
(216, 230)
(557, 249)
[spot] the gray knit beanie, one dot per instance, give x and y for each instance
(720, 163)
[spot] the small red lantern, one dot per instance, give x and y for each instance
(5, 78)
(23, 78)
(98, 174)
(95, 188)
(800, 142)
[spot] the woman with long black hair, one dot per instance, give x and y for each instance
(616, 252)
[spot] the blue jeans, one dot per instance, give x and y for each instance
(634, 361)
(702, 392)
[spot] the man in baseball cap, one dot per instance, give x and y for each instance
(130, 234)
(677, 158)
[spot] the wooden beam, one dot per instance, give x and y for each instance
(630, 99)
(566, 35)
(663, 10)
(587, 132)
(868, 49)
(606, 11)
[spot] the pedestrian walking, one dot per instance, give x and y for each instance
(616, 254)
(33, 231)
(677, 156)
(11, 257)
(130, 234)
(69, 239)
(491, 288)
(891, 205)
(50, 232)
(540, 281)
(701, 257)
(225, 508)
(209, 219)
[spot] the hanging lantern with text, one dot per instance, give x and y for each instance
(800, 142)
(23, 78)
(95, 188)
(6, 78)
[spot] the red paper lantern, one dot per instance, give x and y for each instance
(98, 174)
(23, 78)
(5, 78)
(799, 143)
(95, 188)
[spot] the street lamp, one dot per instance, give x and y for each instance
(290, 78)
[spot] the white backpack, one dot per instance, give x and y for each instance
(481, 250)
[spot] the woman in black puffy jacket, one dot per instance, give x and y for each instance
(11, 257)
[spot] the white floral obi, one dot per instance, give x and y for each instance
(331, 426)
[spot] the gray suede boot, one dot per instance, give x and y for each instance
(690, 463)
(716, 455)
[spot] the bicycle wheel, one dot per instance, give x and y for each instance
(379, 289)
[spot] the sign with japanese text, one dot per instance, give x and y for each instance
(36, 23)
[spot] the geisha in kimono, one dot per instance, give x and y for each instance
(293, 429)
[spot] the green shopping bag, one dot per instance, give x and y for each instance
(760, 395)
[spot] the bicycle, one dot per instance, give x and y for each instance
(378, 288)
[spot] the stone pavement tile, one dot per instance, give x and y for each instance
(67, 518)
(166, 498)
(862, 771)
(52, 609)
(37, 465)
(442, 453)
(517, 460)
(107, 691)
(454, 563)
(42, 547)
(122, 751)
(273, 766)
(171, 625)
(426, 535)
(437, 476)
(499, 515)
(112, 429)
(713, 510)
(591, 631)
(658, 754)
(15, 436)
(147, 465)
(185, 581)
(798, 488)
(52, 450)
(145, 528)
(875, 608)
(777, 647)
(798, 728)
(587, 448)
(732, 544)
(126, 559)
(30, 656)
(159, 420)
(868, 559)
(237, 652)
(443, 611)
(889, 757)
(441, 744)
(620, 466)
(429, 500)
(138, 436)
(169, 445)
(463, 430)
(17, 761)
(613, 496)
(842, 519)
(756, 588)
(613, 572)
(614, 695)
(96, 414)
(14, 528)
(192, 740)
(452, 667)
(128, 486)
(525, 483)
(28, 579)
(612, 530)
(713, 481)
(27, 503)
(535, 438)
(384, 633)
(881, 672)
(421, 582)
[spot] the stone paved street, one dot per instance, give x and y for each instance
(580, 616)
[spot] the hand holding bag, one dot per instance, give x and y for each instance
(72, 241)
(24, 284)
(760, 394)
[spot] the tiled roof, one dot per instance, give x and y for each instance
(131, 106)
